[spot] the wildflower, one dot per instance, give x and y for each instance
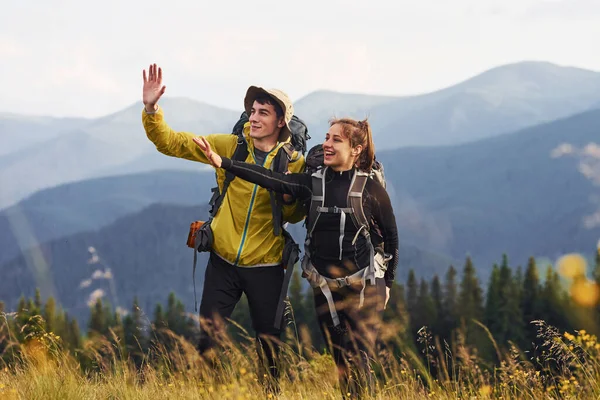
(243, 371)
(485, 390)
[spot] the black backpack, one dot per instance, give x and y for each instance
(299, 131)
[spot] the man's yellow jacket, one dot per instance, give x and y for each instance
(242, 228)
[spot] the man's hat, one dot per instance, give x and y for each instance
(281, 98)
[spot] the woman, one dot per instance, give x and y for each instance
(337, 247)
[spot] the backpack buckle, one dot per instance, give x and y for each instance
(341, 282)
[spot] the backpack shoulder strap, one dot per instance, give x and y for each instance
(240, 154)
(317, 199)
(355, 200)
(284, 156)
(279, 164)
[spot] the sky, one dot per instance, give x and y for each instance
(76, 58)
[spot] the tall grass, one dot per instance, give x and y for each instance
(567, 365)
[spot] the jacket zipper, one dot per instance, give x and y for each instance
(247, 223)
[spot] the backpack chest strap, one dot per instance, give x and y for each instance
(334, 210)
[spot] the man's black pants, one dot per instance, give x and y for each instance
(223, 288)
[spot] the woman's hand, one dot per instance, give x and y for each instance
(214, 159)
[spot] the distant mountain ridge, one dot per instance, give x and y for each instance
(500, 100)
(101, 147)
(92, 204)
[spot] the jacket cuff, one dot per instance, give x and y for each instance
(226, 163)
(153, 112)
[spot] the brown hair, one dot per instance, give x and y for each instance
(359, 133)
(266, 99)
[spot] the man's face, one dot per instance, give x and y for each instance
(264, 122)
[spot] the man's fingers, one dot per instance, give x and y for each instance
(200, 143)
(144, 76)
(159, 76)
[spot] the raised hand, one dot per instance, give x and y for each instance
(153, 88)
(214, 159)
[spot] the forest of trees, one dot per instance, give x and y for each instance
(458, 302)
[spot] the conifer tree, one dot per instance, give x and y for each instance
(98, 325)
(530, 301)
(49, 315)
(437, 296)
(552, 301)
(493, 302)
(450, 304)
(511, 316)
(135, 339)
(412, 296)
(470, 303)
(425, 308)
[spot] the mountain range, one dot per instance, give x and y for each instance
(497, 101)
(533, 192)
(93, 204)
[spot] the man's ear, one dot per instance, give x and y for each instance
(281, 122)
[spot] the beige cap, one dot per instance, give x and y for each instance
(281, 98)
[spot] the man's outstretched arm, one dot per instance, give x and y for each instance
(166, 140)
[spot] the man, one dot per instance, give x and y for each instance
(246, 256)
